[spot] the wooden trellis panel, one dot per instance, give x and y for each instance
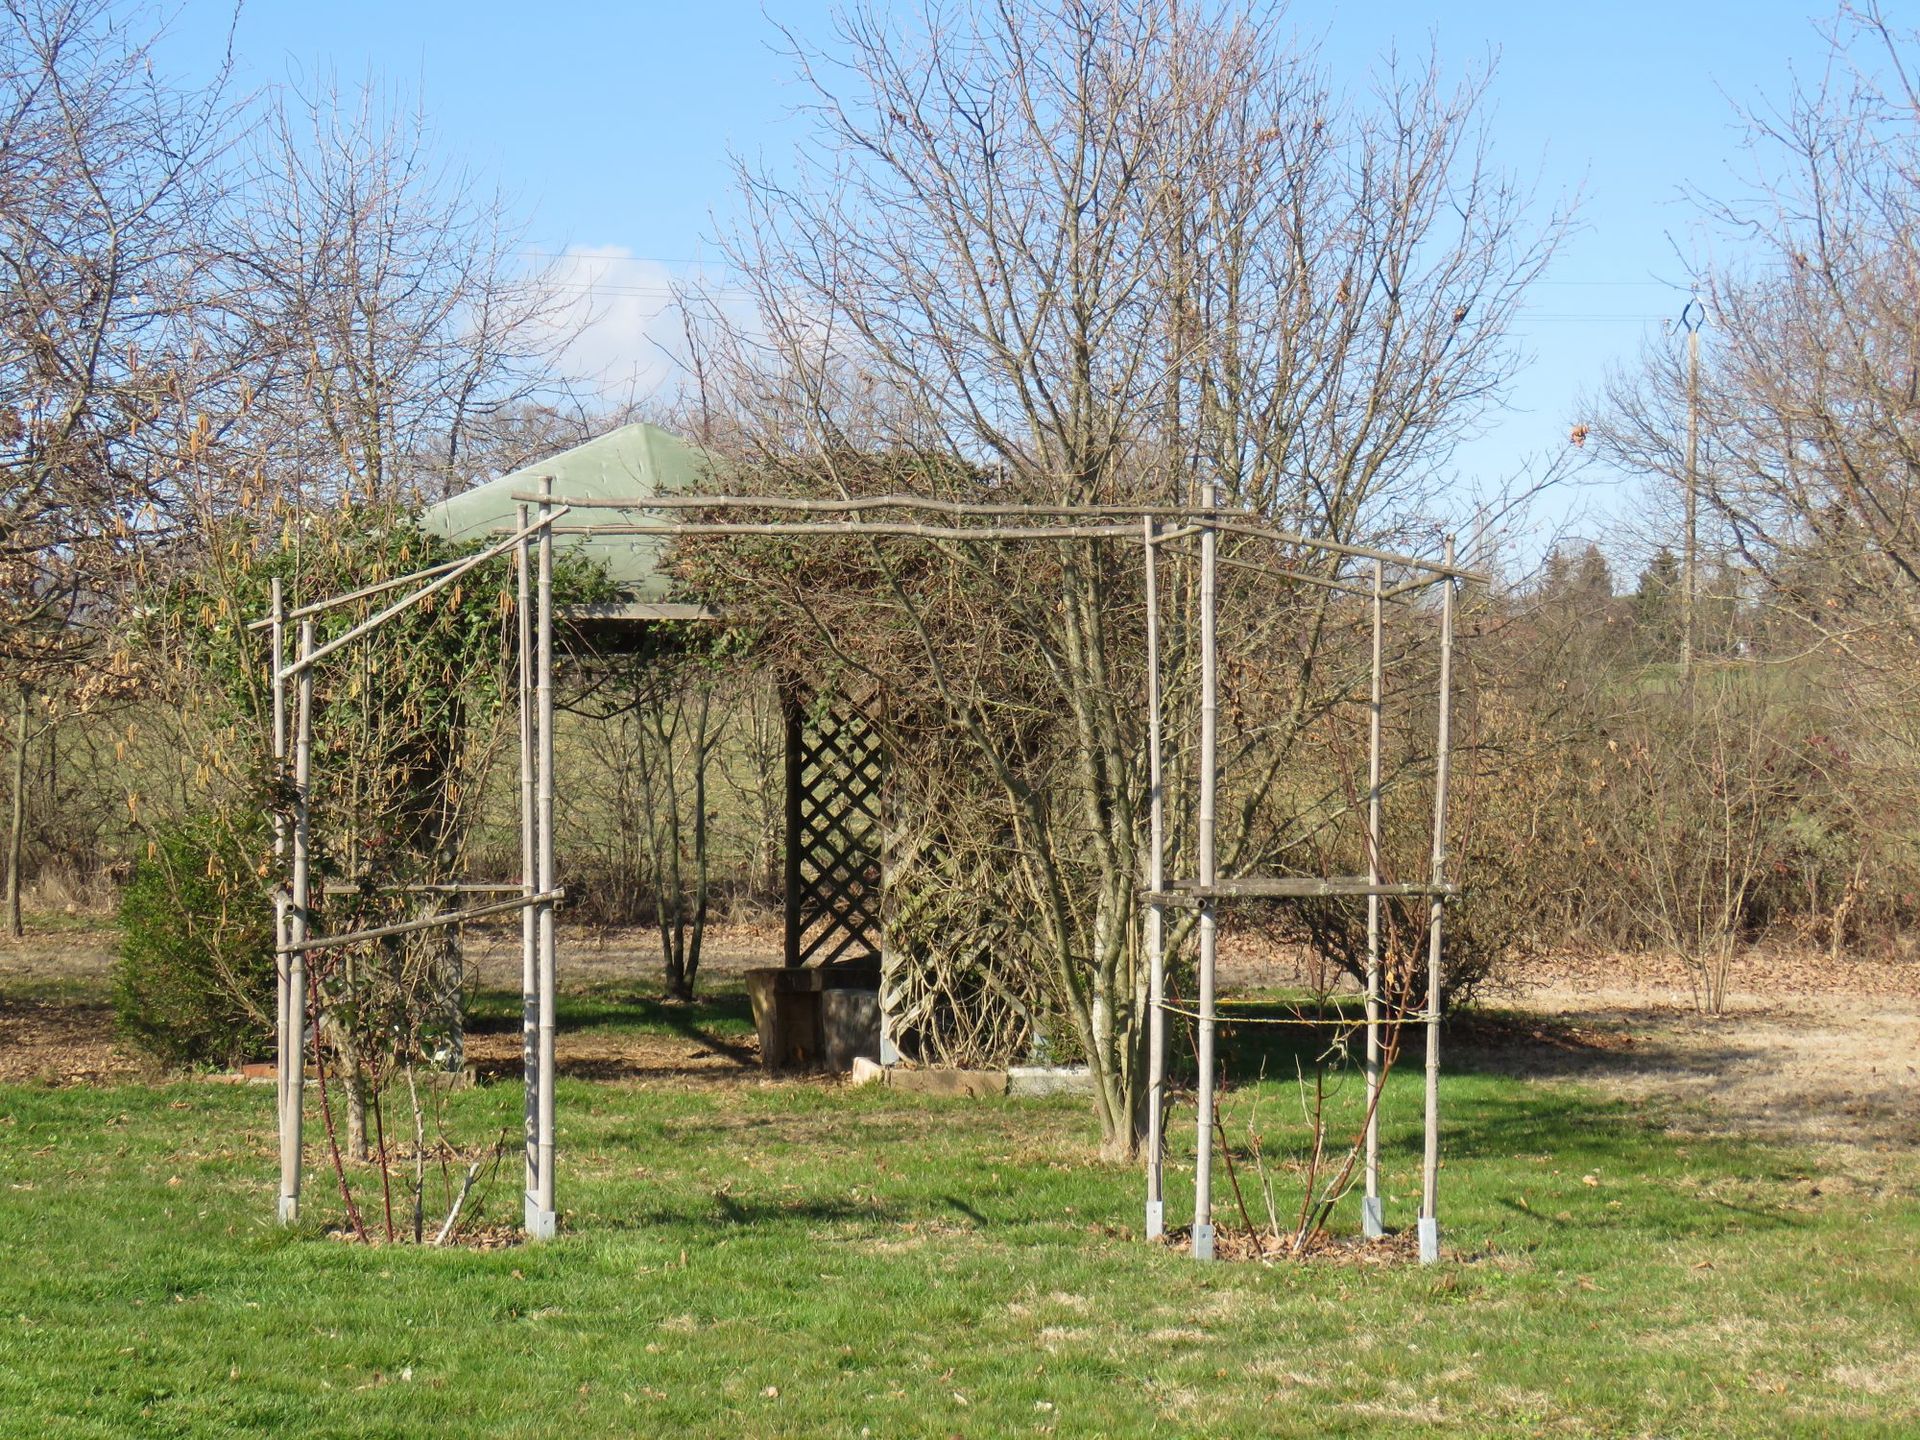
(835, 771)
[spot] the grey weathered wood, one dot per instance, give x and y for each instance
(446, 576)
(379, 587)
(1430, 1158)
(448, 887)
(1300, 577)
(1202, 1234)
(298, 918)
(1297, 887)
(1156, 913)
(544, 1217)
(1372, 1218)
(1208, 516)
(904, 529)
(285, 1035)
(639, 610)
(422, 922)
(529, 880)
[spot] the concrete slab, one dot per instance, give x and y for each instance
(1035, 1080)
(937, 1081)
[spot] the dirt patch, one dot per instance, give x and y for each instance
(68, 960)
(661, 1059)
(1808, 1050)
(81, 961)
(61, 1043)
(592, 958)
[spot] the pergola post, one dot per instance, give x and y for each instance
(1430, 1169)
(1208, 930)
(294, 1038)
(795, 724)
(1156, 916)
(283, 1030)
(529, 879)
(1372, 1216)
(541, 1219)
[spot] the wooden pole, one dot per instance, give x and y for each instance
(285, 1040)
(1118, 522)
(297, 926)
(1429, 1195)
(544, 1219)
(17, 822)
(529, 882)
(1209, 686)
(790, 712)
(446, 578)
(320, 607)
(1372, 1216)
(1689, 570)
(1156, 917)
(423, 922)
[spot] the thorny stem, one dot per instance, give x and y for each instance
(326, 1112)
(380, 1144)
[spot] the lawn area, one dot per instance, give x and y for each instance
(802, 1259)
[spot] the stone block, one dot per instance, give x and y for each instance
(944, 1082)
(1031, 1080)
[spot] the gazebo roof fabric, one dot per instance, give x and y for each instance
(634, 461)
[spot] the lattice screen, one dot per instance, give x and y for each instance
(835, 771)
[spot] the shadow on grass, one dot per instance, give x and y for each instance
(719, 1209)
(1497, 1133)
(497, 1012)
(1281, 1041)
(628, 1034)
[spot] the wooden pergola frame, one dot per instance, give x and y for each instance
(833, 895)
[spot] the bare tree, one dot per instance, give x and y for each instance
(1811, 446)
(108, 176)
(387, 312)
(1807, 390)
(1703, 788)
(653, 731)
(1097, 252)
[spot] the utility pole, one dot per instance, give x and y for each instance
(1692, 316)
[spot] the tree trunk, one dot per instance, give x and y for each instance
(17, 825)
(353, 1081)
(702, 749)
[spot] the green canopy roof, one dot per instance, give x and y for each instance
(633, 462)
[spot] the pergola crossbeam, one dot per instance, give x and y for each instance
(1217, 518)
(834, 827)
(1292, 887)
(423, 922)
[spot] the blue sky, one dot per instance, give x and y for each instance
(611, 125)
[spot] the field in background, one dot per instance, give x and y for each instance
(804, 1258)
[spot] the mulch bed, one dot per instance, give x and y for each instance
(1397, 1248)
(477, 1237)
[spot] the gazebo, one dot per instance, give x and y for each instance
(828, 1007)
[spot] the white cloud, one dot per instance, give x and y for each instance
(619, 311)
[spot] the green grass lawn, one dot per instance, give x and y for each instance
(805, 1259)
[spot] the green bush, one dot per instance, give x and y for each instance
(194, 982)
